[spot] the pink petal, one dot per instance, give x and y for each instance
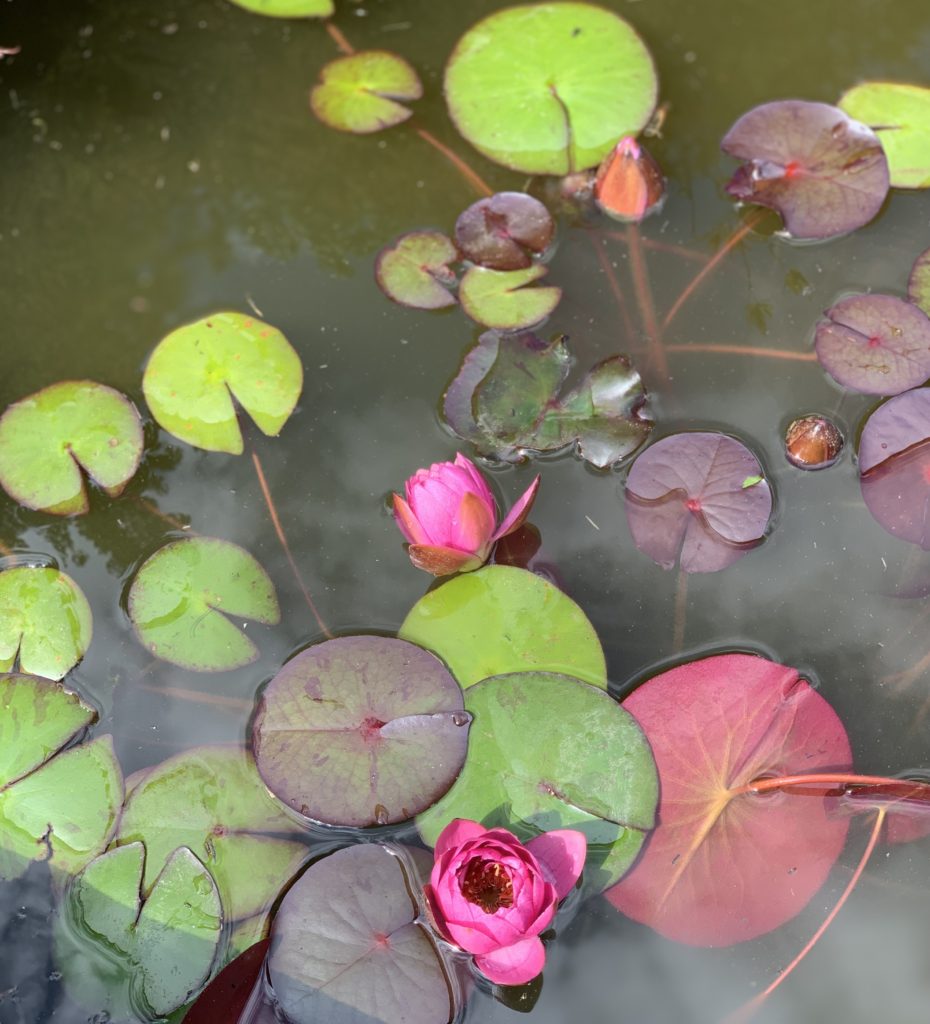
(519, 512)
(407, 522)
(456, 832)
(472, 526)
(435, 504)
(477, 935)
(442, 561)
(561, 855)
(513, 965)
(479, 484)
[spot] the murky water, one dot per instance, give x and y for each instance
(160, 161)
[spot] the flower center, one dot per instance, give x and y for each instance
(487, 883)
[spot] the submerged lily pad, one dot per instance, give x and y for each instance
(212, 801)
(500, 298)
(49, 438)
(181, 597)
(288, 8)
(165, 944)
(196, 371)
(685, 501)
(360, 93)
(45, 621)
(347, 946)
(502, 619)
(414, 270)
(918, 285)
(504, 231)
(823, 172)
(877, 344)
(361, 730)
(506, 400)
(547, 751)
(548, 88)
(900, 115)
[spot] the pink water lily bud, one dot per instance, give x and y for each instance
(491, 895)
(629, 182)
(450, 517)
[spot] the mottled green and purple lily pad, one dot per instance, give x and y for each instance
(414, 270)
(361, 93)
(347, 945)
(877, 344)
(918, 285)
(288, 8)
(507, 400)
(505, 231)
(51, 438)
(361, 730)
(182, 597)
(197, 370)
(502, 300)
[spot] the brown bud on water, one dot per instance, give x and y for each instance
(813, 442)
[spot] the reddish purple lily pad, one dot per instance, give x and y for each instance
(414, 270)
(825, 173)
(361, 730)
(347, 948)
(697, 498)
(877, 344)
(227, 995)
(894, 463)
(504, 231)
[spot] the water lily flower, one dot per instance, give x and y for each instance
(629, 182)
(491, 895)
(449, 517)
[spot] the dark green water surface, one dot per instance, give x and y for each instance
(159, 161)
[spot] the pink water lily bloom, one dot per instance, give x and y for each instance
(491, 895)
(450, 517)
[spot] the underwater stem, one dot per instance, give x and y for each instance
(614, 285)
(660, 246)
(746, 350)
(471, 176)
(643, 291)
(342, 44)
(199, 697)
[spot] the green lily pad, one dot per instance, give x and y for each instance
(48, 438)
(502, 619)
(181, 596)
(288, 8)
(499, 298)
(549, 88)
(414, 270)
(360, 93)
(918, 285)
(45, 620)
(212, 801)
(547, 751)
(195, 372)
(900, 116)
(166, 944)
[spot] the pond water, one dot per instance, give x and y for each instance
(160, 162)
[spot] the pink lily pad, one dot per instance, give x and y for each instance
(504, 231)
(825, 173)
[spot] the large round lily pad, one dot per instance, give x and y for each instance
(48, 438)
(196, 371)
(288, 8)
(361, 730)
(547, 751)
(549, 88)
(347, 948)
(360, 93)
(212, 801)
(181, 596)
(502, 619)
(45, 621)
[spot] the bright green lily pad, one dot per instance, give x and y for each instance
(288, 8)
(48, 438)
(45, 620)
(196, 371)
(414, 270)
(212, 801)
(360, 93)
(547, 751)
(502, 619)
(549, 88)
(900, 116)
(167, 942)
(499, 298)
(181, 596)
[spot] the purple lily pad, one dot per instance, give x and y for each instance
(894, 466)
(876, 344)
(227, 995)
(504, 231)
(346, 947)
(414, 270)
(825, 173)
(918, 285)
(697, 498)
(361, 730)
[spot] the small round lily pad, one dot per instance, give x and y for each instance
(288, 8)
(548, 88)
(414, 270)
(918, 285)
(360, 93)
(196, 371)
(504, 231)
(181, 597)
(500, 298)
(49, 438)
(361, 730)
